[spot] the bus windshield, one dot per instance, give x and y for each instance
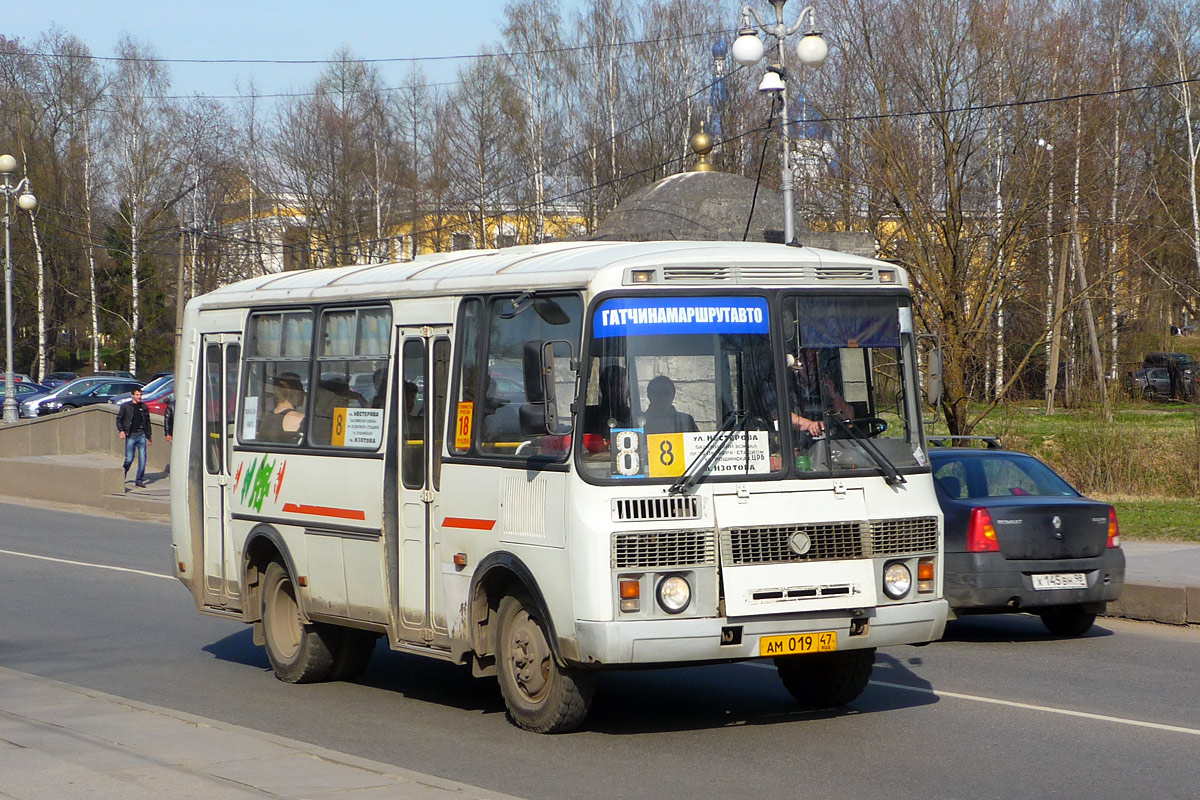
(845, 381)
(667, 374)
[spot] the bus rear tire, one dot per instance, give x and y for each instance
(826, 680)
(540, 695)
(299, 652)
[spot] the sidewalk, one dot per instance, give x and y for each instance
(64, 742)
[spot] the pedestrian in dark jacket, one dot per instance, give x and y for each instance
(169, 418)
(133, 425)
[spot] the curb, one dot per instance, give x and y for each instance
(1171, 605)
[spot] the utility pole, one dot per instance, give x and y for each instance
(1087, 307)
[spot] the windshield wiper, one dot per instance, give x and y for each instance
(890, 474)
(709, 453)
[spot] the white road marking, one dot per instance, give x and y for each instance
(1028, 706)
(1048, 709)
(86, 564)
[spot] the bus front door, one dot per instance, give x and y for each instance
(222, 354)
(421, 396)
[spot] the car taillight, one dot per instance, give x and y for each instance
(981, 536)
(1114, 530)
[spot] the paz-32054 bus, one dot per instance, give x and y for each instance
(546, 461)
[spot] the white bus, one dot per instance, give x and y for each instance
(545, 461)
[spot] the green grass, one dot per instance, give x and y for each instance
(1156, 519)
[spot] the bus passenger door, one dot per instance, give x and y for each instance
(423, 374)
(222, 356)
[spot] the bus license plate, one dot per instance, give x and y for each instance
(1060, 580)
(796, 643)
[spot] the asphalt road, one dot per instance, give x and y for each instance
(997, 710)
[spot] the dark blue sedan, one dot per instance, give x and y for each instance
(1019, 538)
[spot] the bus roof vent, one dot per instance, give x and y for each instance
(639, 509)
(846, 273)
(774, 274)
(695, 274)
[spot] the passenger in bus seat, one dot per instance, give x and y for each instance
(613, 410)
(282, 424)
(661, 414)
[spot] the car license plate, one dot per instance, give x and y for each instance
(796, 643)
(1060, 580)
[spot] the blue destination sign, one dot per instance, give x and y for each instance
(665, 316)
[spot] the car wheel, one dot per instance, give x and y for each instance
(541, 696)
(1148, 393)
(826, 680)
(299, 652)
(1068, 621)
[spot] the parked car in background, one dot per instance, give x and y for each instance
(18, 377)
(1019, 538)
(151, 391)
(113, 373)
(100, 393)
(56, 379)
(31, 406)
(24, 390)
(1150, 383)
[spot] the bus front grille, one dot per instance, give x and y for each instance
(890, 537)
(638, 509)
(828, 541)
(770, 545)
(658, 549)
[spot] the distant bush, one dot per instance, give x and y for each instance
(1132, 456)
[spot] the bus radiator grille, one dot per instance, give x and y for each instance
(829, 541)
(769, 545)
(891, 537)
(657, 549)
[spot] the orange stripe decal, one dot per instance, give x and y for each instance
(469, 524)
(324, 511)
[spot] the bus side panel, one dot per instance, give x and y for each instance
(485, 509)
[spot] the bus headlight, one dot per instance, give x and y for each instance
(897, 580)
(674, 594)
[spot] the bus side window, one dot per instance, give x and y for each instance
(351, 355)
(277, 352)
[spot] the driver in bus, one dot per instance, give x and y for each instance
(811, 391)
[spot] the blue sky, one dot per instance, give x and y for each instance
(262, 29)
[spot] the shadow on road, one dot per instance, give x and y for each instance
(627, 702)
(1009, 628)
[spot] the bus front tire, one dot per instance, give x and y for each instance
(353, 654)
(540, 695)
(299, 652)
(826, 680)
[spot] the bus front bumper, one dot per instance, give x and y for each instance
(670, 641)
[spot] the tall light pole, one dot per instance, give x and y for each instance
(26, 202)
(811, 51)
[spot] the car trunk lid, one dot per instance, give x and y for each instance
(1050, 529)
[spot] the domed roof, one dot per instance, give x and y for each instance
(706, 206)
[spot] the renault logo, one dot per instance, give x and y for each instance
(1057, 523)
(799, 543)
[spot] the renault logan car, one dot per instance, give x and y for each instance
(1019, 538)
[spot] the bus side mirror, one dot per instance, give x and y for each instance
(934, 377)
(540, 360)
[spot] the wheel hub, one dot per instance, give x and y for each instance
(530, 656)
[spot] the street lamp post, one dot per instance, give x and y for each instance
(811, 51)
(26, 202)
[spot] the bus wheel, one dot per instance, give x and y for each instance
(540, 695)
(299, 653)
(826, 680)
(354, 652)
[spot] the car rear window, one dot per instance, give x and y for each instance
(999, 476)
